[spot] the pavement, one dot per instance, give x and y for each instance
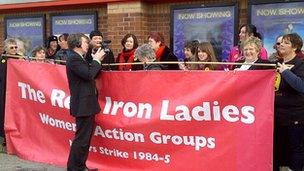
(14, 163)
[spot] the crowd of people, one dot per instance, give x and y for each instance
(288, 57)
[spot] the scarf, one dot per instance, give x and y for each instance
(126, 57)
(50, 53)
(192, 66)
(160, 52)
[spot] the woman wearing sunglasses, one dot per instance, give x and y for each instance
(276, 55)
(10, 47)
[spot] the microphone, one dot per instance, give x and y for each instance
(107, 41)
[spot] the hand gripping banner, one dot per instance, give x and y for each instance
(149, 120)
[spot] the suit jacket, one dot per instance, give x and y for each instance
(3, 65)
(81, 77)
(169, 56)
(108, 59)
(255, 67)
(153, 67)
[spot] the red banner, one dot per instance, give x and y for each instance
(149, 120)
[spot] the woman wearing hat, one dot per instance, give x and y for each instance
(52, 47)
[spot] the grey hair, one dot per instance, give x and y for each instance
(8, 42)
(252, 41)
(75, 41)
(147, 51)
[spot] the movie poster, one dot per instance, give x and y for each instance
(212, 24)
(28, 31)
(20, 1)
(273, 20)
(73, 23)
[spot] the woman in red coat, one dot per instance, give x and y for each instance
(129, 43)
(162, 52)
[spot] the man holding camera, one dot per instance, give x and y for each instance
(97, 42)
(83, 102)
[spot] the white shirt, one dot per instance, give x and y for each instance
(245, 67)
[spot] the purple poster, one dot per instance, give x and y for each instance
(73, 23)
(213, 24)
(273, 20)
(28, 31)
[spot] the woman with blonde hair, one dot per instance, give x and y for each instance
(251, 49)
(205, 53)
(10, 46)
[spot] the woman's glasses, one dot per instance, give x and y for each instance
(13, 47)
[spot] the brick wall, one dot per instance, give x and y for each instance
(1, 33)
(126, 18)
(117, 19)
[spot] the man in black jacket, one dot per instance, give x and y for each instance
(64, 51)
(95, 43)
(83, 103)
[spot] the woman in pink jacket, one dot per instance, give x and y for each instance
(245, 32)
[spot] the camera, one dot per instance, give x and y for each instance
(105, 46)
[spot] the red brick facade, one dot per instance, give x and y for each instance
(118, 18)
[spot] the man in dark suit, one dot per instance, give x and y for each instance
(83, 103)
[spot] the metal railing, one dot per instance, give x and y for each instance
(140, 63)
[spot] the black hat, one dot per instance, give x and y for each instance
(95, 33)
(52, 38)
